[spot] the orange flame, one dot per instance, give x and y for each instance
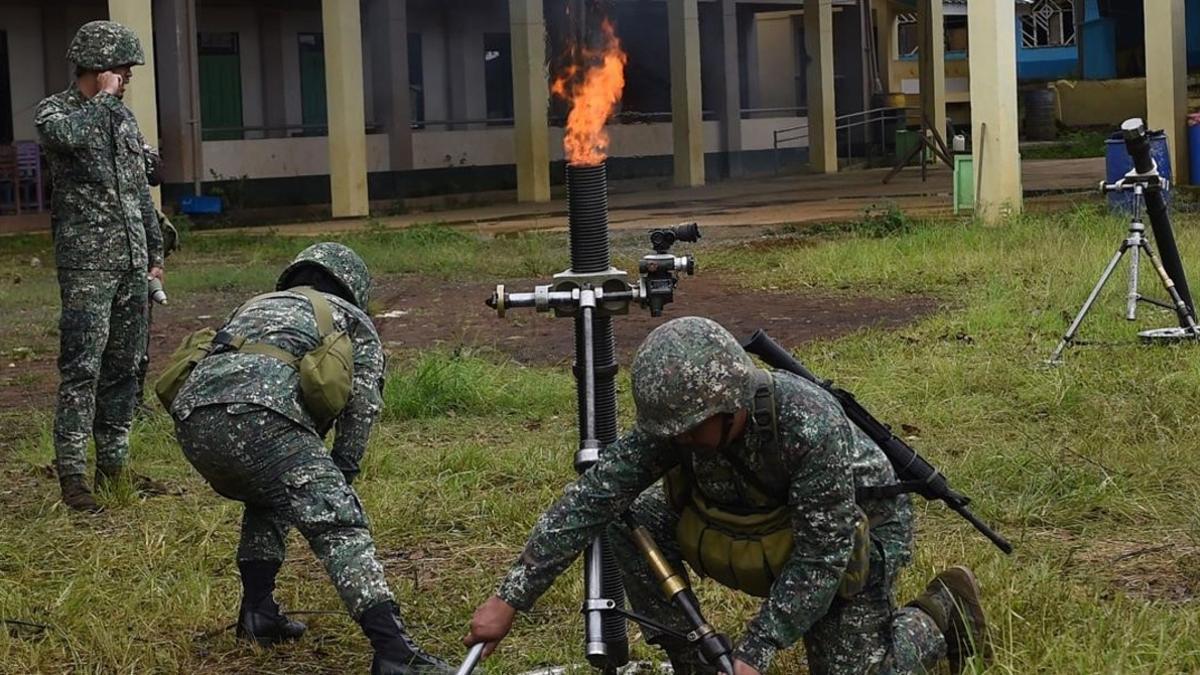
(593, 85)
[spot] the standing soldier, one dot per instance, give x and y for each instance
(252, 423)
(106, 241)
(762, 470)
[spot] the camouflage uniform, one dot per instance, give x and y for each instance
(170, 237)
(105, 239)
(241, 421)
(816, 458)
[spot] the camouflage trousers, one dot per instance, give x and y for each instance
(864, 634)
(286, 478)
(102, 329)
(143, 365)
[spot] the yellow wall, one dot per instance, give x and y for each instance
(1100, 102)
(907, 70)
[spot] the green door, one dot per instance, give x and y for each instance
(312, 84)
(220, 87)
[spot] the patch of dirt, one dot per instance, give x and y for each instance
(426, 313)
(453, 314)
(1167, 569)
(32, 384)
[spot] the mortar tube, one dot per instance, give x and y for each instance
(1137, 143)
(591, 252)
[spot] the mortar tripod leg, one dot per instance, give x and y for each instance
(1069, 336)
(1181, 308)
(1134, 296)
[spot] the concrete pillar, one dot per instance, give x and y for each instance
(885, 19)
(750, 41)
(1166, 78)
(142, 95)
(274, 82)
(465, 80)
(731, 89)
(389, 65)
(347, 108)
(531, 100)
(181, 149)
(822, 118)
(683, 20)
(776, 63)
(183, 159)
(931, 56)
(997, 160)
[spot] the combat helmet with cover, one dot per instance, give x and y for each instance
(104, 45)
(340, 262)
(686, 371)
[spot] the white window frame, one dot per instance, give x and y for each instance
(1049, 15)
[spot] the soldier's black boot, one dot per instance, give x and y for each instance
(952, 599)
(77, 495)
(259, 619)
(395, 651)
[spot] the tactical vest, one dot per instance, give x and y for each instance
(326, 371)
(747, 548)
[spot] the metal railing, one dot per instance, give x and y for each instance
(291, 130)
(759, 113)
(845, 127)
(278, 131)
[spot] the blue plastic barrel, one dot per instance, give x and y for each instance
(1117, 163)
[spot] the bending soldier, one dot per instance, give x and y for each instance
(761, 470)
(248, 424)
(106, 241)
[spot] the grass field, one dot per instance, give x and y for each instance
(1090, 468)
(1070, 145)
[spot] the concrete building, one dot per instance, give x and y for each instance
(343, 102)
(252, 106)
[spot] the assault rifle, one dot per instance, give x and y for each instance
(914, 473)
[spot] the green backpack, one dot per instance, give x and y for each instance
(326, 372)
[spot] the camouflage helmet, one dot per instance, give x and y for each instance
(686, 371)
(341, 263)
(104, 45)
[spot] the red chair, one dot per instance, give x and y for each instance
(29, 165)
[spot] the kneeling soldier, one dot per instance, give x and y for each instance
(247, 422)
(761, 472)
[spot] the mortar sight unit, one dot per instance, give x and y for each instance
(659, 274)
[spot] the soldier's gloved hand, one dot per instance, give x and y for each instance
(491, 623)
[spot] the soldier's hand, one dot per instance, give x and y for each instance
(110, 82)
(156, 273)
(743, 668)
(491, 623)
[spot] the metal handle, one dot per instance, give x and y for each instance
(472, 660)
